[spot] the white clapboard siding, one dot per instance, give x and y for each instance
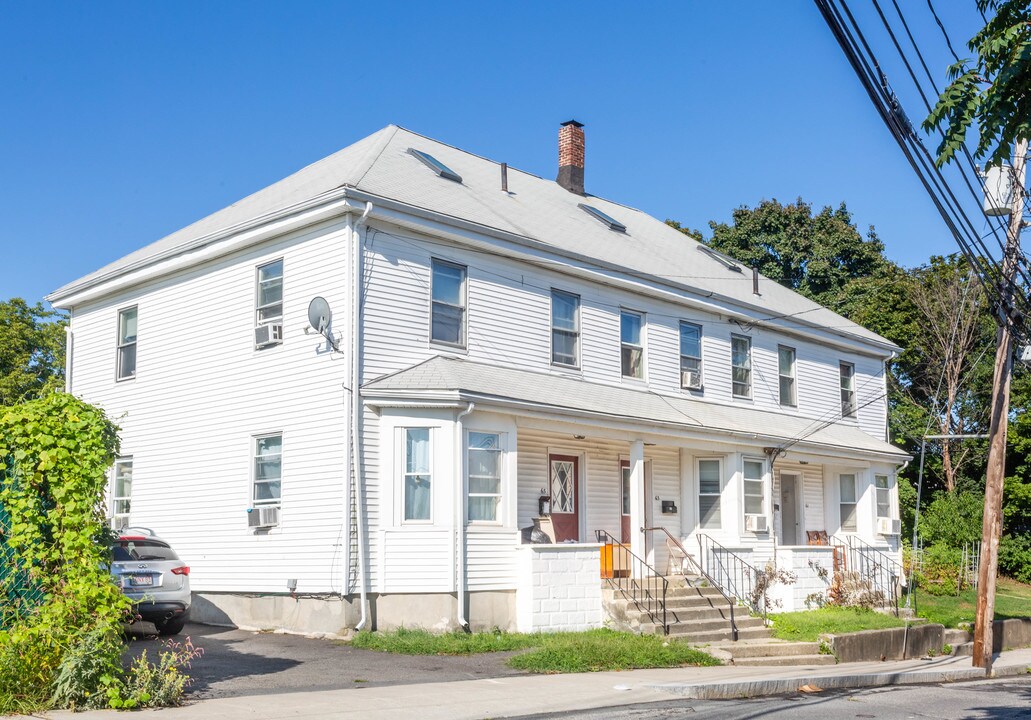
(416, 558)
(509, 323)
(491, 559)
(202, 392)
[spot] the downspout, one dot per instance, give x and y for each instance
(358, 275)
(461, 491)
(69, 345)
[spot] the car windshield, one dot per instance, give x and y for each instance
(130, 550)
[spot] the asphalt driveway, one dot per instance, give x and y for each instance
(240, 662)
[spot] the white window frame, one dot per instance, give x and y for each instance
(258, 284)
(278, 502)
(122, 345)
(850, 410)
(640, 345)
(499, 510)
(116, 499)
(734, 337)
(792, 401)
(763, 483)
(463, 304)
(687, 359)
(699, 494)
(576, 333)
(854, 503)
(887, 495)
(405, 473)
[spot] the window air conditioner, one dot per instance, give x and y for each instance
(888, 526)
(263, 517)
(265, 335)
(691, 379)
(755, 523)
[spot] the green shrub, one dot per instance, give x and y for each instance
(1015, 557)
(940, 573)
(153, 685)
(953, 519)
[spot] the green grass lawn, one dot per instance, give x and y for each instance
(566, 652)
(808, 625)
(1012, 599)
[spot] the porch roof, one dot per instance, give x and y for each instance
(450, 378)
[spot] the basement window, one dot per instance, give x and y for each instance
(435, 165)
(607, 219)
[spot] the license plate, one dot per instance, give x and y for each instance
(140, 580)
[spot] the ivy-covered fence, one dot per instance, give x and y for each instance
(18, 593)
(61, 635)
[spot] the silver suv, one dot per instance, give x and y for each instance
(152, 575)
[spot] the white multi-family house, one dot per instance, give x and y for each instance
(347, 398)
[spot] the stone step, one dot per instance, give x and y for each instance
(963, 649)
(774, 660)
(956, 637)
(724, 635)
(741, 650)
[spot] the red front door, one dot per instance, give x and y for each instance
(565, 496)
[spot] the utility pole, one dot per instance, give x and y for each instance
(992, 528)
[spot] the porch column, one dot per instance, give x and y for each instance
(637, 499)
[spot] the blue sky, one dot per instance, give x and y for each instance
(122, 122)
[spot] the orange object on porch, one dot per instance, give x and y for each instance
(615, 561)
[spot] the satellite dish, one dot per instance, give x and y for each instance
(319, 314)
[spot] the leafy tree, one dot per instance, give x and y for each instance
(817, 255)
(690, 232)
(31, 351)
(991, 92)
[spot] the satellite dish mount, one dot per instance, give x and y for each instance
(320, 317)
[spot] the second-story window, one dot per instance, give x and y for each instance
(447, 324)
(565, 329)
(741, 362)
(126, 344)
(631, 326)
(690, 356)
(268, 305)
(847, 372)
(786, 371)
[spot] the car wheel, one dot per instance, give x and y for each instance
(170, 627)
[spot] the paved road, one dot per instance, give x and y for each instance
(237, 663)
(1005, 699)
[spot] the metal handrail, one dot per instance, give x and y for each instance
(701, 571)
(636, 587)
(738, 580)
(881, 569)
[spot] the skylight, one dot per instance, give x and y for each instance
(436, 165)
(607, 219)
(720, 258)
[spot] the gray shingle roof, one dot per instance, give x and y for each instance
(534, 208)
(570, 394)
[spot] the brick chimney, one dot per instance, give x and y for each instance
(571, 157)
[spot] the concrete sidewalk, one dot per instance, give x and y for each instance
(532, 694)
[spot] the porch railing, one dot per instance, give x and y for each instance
(731, 601)
(729, 572)
(874, 569)
(639, 583)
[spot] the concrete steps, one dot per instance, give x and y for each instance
(694, 612)
(770, 653)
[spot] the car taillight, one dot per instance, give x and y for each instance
(184, 570)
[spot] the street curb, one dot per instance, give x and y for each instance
(782, 686)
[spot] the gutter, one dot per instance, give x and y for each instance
(357, 275)
(460, 494)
